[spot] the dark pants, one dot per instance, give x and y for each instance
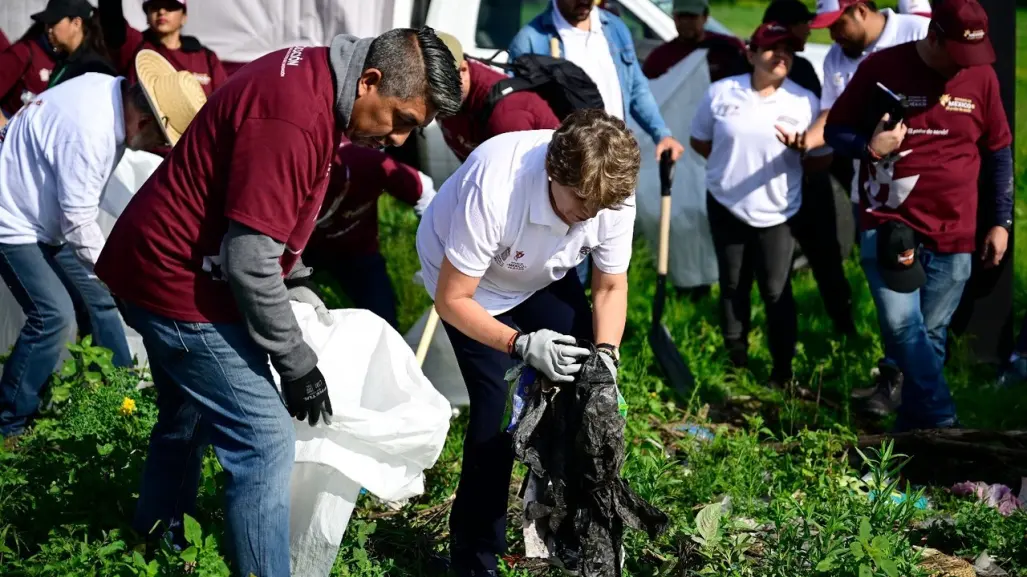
(49, 283)
(365, 281)
(815, 228)
(741, 251)
(478, 520)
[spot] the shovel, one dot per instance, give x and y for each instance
(666, 352)
(426, 336)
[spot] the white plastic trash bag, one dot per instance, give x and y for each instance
(693, 261)
(389, 425)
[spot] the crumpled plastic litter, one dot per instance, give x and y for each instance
(576, 504)
(996, 495)
(985, 566)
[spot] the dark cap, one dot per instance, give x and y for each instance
(964, 26)
(770, 34)
(788, 12)
(171, 5)
(898, 257)
(57, 10)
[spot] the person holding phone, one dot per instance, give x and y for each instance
(752, 129)
(918, 190)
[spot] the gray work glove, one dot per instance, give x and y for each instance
(302, 290)
(552, 353)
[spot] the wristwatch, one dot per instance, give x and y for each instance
(612, 350)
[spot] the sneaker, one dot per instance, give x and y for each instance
(1014, 374)
(885, 396)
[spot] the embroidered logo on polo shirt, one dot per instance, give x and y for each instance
(44, 74)
(913, 101)
(202, 78)
(957, 104)
(501, 257)
(788, 120)
(585, 251)
(518, 255)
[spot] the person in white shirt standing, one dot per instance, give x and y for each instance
(753, 131)
(56, 155)
(859, 29)
(498, 247)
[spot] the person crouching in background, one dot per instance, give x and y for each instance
(345, 240)
(751, 128)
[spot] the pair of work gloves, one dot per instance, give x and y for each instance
(306, 398)
(557, 355)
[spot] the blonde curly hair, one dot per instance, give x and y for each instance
(596, 155)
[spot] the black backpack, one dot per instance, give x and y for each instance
(561, 83)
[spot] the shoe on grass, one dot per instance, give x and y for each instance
(1014, 374)
(885, 396)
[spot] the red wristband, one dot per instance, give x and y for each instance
(510, 343)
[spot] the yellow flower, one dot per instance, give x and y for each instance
(128, 406)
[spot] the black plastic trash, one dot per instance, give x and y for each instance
(572, 438)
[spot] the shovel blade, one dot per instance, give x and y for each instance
(671, 363)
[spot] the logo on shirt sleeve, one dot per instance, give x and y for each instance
(501, 257)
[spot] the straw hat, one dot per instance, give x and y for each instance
(175, 96)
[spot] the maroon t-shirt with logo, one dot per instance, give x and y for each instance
(348, 222)
(25, 68)
(523, 110)
(932, 186)
(259, 152)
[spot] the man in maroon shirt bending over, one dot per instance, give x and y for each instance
(200, 257)
(345, 239)
(918, 189)
(726, 55)
(522, 110)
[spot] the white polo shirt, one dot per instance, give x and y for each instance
(56, 155)
(590, 50)
(749, 171)
(839, 68)
(493, 220)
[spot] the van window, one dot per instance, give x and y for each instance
(500, 20)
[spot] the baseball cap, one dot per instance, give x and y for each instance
(829, 11)
(696, 7)
(914, 7)
(770, 33)
(898, 257)
(453, 44)
(57, 10)
(964, 26)
(788, 12)
(181, 4)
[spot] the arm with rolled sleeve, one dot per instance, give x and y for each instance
(610, 262)
(273, 170)
(81, 169)
(644, 109)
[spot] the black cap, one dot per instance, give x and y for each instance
(57, 10)
(898, 257)
(788, 12)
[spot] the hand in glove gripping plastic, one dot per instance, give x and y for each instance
(303, 290)
(552, 353)
(307, 398)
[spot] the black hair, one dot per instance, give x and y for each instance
(93, 34)
(35, 31)
(416, 63)
(136, 96)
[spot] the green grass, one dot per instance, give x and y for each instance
(67, 491)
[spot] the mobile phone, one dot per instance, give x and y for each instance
(893, 104)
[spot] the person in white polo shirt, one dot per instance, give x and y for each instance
(917, 7)
(859, 29)
(752, 129)
(498, 248)
(56, 156)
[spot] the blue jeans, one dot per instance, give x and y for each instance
(214, 387)
(50, 283)
(914, 328)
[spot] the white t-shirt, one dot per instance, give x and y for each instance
(56, 155)
(749, 171)
(839, 68)
(590, 50)
(493, 220)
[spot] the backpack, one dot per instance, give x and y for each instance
(561, 83)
